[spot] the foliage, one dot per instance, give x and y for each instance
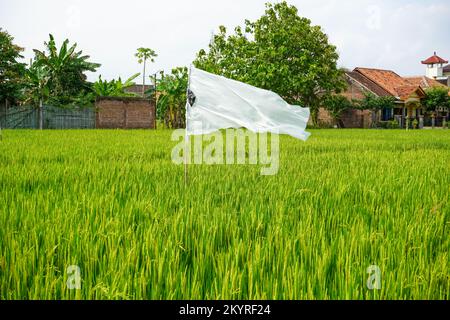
(436, 97)
(171, 100)
(280, 51)
(11, 70)
(37, 85)
(144, 54)
(114, 88)
(112, 203)
(393, 124)
(336, 105)
(66, 69)
(374, 103)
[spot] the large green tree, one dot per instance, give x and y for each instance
(11, 70)
(280, 51)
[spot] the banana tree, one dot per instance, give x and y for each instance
(65, 67)
(172, 98)
(38, 90)
(114, 88)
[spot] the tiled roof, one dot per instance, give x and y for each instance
(447, 68)
(424, 82)
(388, 83)
(368, 84)
(406, 91)
(386, 79)
(434, 59)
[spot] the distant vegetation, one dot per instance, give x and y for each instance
(114, 88)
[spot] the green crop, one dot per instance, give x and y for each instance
(112, 203)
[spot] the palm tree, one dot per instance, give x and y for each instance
(144, 54)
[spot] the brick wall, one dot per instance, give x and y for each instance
(126, 113)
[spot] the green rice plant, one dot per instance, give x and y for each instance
(113, 203)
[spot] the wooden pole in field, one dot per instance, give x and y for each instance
(187, 146)
(186, 159)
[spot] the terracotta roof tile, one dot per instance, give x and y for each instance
(424, 82)
(405, 91)
(434, 59)
(386, 79)
(368, 84)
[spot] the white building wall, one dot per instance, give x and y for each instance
(434, 70)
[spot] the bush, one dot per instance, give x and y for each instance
(393, 124)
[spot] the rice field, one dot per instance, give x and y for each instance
(112, 203)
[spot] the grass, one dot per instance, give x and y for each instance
(113, 203)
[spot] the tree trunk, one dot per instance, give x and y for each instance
(314, 116)
(41, 115)
(143, 80)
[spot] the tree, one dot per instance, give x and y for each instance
(336, 105)
(114, 88)
(374, 103)
(66, 68)
(280, 51)
(171, 100)
(38, 90)
(144, 54)
(11, 71)
(436, 97)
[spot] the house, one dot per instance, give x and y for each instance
(446, 73)
(436, 69)
(408, 93)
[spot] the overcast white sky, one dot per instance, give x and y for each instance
(389, 34)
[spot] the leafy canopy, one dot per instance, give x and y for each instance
(11, 70)
(66, 69)
(374, 103)
(437, 97)
(171, 100)
(280, 51)
(144, 54)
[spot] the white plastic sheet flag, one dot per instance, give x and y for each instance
(216, 102)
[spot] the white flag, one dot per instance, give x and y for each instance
(219, 103)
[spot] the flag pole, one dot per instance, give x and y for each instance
(186, 137)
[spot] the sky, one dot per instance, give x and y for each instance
(386, 34)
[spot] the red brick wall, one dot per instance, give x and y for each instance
(126, 113)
